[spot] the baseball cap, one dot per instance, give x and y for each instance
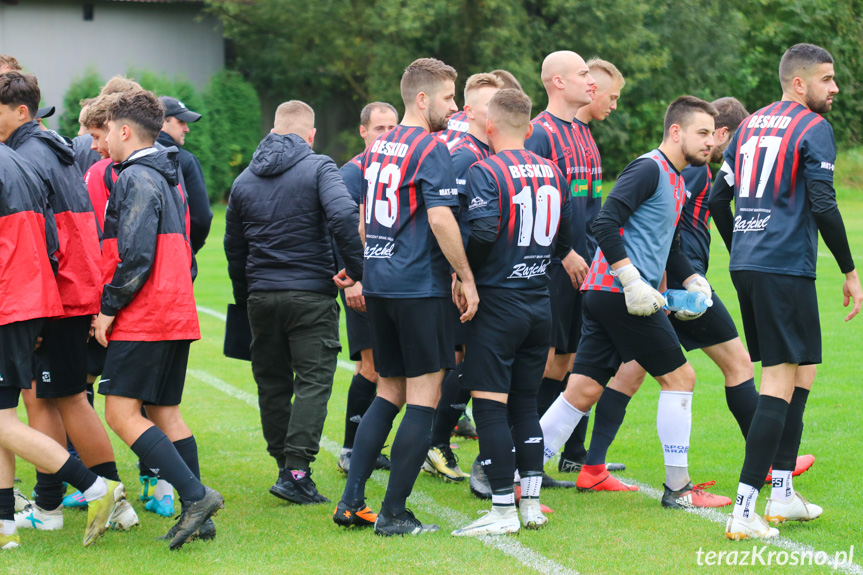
(177, 109)
(45, 112)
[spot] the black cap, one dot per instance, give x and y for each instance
(45, 112)
(177, 109)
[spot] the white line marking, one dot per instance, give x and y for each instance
(508, 546)
(722, 518)
(212, 312)
(526, 556)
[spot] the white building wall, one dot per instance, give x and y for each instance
(51, 39)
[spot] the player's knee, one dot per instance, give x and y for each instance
(681, 379)
(369, 373)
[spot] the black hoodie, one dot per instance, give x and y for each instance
(79, 256)
(280, 214)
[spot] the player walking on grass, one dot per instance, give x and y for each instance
(519, 211)
(779, 171)
(30, 295)
(638, 239)
(410, 234)
(376, 119)
(148, 309)
(57, 404)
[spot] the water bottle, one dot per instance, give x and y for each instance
(684, 300)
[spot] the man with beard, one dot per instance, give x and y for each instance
(779, 171)
(410, 234)
(637, 236)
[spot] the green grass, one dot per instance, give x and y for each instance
(588, 533)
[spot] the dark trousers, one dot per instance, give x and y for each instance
(295, 346)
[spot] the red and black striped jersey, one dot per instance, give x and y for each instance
(695, 218)
(772, 155)
(457, 127)
(561, 142)
(407, 171)
(468, 151)
(529, 195)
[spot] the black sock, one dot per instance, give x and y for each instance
(361, 393)
(409, 451)
(188, 450)
(742, 400)
(158, 453)
(145, 471)
(526, 433)
(610, 411)
(49, 491)
(763, 439)
(495, 443)
(372, 433)
(75, 474)
(450, 408)
(549, 389)
(789, 444)
(108, 470)
(7, 504)
(574, 449)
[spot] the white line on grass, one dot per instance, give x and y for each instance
(722, 518)
(526, 556)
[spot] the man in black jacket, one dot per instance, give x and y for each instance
(174, 130)
(280, 214)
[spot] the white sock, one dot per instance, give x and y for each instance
(507, 500)
(744, 506)
(674, 426)
(557, 425)
(163, 488)
(783, 490)
(97, 490)
(7, 526)
(530, 486)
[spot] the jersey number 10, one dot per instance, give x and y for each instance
(771, 144)
(544, 226)
(386, 210)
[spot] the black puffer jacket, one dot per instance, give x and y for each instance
(280, 214)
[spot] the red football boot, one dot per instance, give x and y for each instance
(804, 462)
(690, 496)
(597, 478)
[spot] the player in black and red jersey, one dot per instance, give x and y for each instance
(570, 86)
(779, 171)
(471, 148)
(519, 211)
(376, 119)
(410, 235)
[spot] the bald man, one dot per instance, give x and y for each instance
(281, 212)
(570, 87)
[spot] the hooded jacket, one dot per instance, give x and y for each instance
(28, 289)
(280, 214)
(146, 252)
(196, 193)
(78, 256)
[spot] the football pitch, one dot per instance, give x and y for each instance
(587, 533)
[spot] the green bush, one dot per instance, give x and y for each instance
(223, 140)
(87, 86)
(235, 129)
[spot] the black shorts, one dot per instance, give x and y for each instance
(61, 360)
(508, 341)
(95, 357)
(359, 333)
(780, 317)
(17, 340)
(459, 329)
(565, 311)
(411, 336)
(152, 371)
(612, 335)
(712, 328)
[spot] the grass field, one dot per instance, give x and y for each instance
(587, 533)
